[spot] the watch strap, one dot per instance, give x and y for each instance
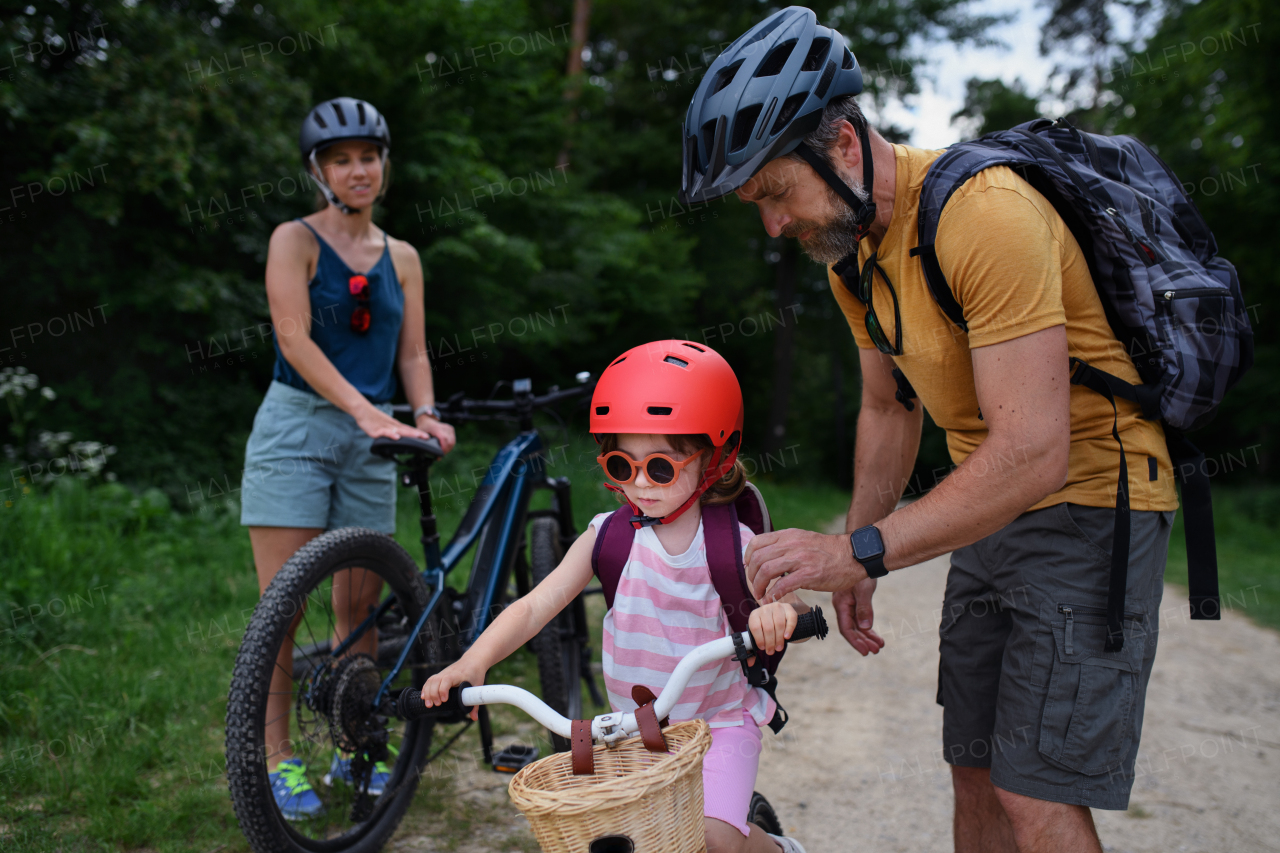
(874, 566)
(426, 410)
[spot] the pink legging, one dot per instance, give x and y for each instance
(729, 772)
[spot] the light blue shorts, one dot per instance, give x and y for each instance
(307, 464)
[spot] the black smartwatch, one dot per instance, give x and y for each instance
(868, 549)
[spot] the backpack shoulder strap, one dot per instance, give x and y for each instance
(752, 511)
(611, 549)
(724, 559)
(946, 175)
(729, 576)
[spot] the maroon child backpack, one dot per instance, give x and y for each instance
(724, 558)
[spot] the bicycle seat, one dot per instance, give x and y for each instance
(390, 448)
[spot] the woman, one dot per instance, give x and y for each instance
(347, 308)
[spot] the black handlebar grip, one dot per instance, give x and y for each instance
(810, 624)
(409, 704)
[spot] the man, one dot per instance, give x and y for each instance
(1040, 722)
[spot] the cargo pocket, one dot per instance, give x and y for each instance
(1087, 723)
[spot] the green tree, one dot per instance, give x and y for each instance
(187, 114)
(995, 105)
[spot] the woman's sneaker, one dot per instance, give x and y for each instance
(295, 797)
(340, 771)
(788, 845)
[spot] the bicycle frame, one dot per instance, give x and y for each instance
(494, 522)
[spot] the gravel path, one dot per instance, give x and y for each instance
(859, 767)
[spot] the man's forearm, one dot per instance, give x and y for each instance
(999, 481)
(888, 441)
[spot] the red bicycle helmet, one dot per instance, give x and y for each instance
(672, 388)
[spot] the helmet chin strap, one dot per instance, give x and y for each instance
(329, 194)
(714, 471)
(864, 211)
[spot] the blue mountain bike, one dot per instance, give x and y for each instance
(335, 670)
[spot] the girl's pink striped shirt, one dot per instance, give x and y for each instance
(665, 606)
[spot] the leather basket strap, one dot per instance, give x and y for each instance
(584, 762)
(647, 718)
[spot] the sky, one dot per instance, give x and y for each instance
(928, 114)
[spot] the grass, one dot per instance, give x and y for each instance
(120, 620)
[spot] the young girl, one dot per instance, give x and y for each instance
(668, 417)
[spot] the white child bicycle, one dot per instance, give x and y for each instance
(631, 784)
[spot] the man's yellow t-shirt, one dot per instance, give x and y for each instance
(1015, 268)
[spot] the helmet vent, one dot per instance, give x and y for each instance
(725, 77)
(790, 107)
(776, 59)
(602, 410)
(659, 410)
(709, 137)
(743, 124)
(695, 346)
(319, 119)
(848, 60)
(360, 111)
(766, 29)
(825, 82)
(337, 110)
(619, 361)
(678, 362)
(817, 53)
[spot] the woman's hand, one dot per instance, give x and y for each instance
(378, 424)
(436, 690)
(440, 430)
(771, 626)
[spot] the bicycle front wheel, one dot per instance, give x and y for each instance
(292, 699)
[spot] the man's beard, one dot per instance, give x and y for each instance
(834, 239)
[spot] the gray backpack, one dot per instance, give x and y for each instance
(1173, 304)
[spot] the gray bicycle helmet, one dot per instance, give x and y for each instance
(758, 101)
(338, 120)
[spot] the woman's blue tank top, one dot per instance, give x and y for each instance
(365, 360)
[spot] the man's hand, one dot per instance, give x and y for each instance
(855, 618)
(801, 559)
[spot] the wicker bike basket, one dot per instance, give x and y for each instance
(654, 799)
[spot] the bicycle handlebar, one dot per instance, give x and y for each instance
(462, 408)
(606, 727)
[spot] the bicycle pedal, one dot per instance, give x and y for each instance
(512, 758)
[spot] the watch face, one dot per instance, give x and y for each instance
(867, 544)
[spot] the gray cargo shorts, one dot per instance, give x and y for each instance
(1025, 685)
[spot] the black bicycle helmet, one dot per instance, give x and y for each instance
(759, 100)
(338, 120)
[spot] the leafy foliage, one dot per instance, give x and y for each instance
(995, 105)
(184, 114)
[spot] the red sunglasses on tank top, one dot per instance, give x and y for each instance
(360, 317)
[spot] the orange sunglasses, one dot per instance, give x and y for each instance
(660, 468)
